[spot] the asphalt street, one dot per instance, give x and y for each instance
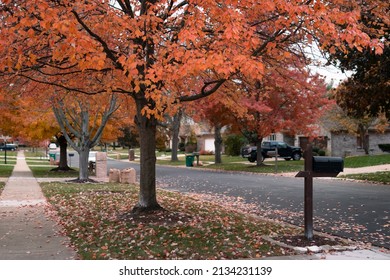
(360, 211)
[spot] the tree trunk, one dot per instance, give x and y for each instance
(218, 143)
(259, 152)
(363, 134)
(175, 134)
(147, 200)
(83, 164)
(63, 165)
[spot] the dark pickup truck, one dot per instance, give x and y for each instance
(8, 147)
(268, 149)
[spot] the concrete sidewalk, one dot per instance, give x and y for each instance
(367, 169)
(26, 230)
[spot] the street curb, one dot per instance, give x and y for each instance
(312, 249)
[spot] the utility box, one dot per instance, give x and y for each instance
(328, 164)
(101, 164)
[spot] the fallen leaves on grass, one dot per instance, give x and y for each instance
(99, 221)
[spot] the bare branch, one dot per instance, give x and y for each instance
(126, 7)
(206, 91)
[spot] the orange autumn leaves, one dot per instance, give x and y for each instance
(147, 49)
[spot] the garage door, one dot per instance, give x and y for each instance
(209, 145)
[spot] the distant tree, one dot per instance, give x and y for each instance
(233, 144)
(288, 99)
(85, 119)
(367, 91)
(25, 118)
(129, 137)
(218, 111)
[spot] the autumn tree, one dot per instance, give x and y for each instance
(70, 118)
(286, 100)
(220, 110)
(367, 91)
(25, 118)
(85, 119)
(128, 136)
(141, 48)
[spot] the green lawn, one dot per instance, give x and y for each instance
(205, 159)
(45, 172)
(367, 160)
(10, 157)
(37, 153)
(37, 161)
(241, 164)
(378, 177)
(98, 220)
(7, 168)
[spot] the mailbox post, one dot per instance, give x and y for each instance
(308, 197)
(316, 167)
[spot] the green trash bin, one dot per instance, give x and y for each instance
(189, 160)
(53, 156)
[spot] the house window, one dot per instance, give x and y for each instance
(272, 137)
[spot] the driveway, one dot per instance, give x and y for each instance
(355, 210)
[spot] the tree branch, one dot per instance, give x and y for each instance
(61, 86)
(126, 7)
(204, 92)
(110, 53)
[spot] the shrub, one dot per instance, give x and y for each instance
(318, 152)
(233, 144)
(384, 147)
(321, 153)
(182, 146)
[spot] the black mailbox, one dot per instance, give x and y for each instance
(328, 164)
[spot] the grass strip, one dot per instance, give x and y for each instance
(6, 170)
(98, 219)
(46, 172)
(378, 177)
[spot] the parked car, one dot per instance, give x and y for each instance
(268, 149)
(92, 161)
(8, 147)
(52, 146)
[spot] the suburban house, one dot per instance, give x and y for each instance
(336, 141)
(201, 133)
(333, 138)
